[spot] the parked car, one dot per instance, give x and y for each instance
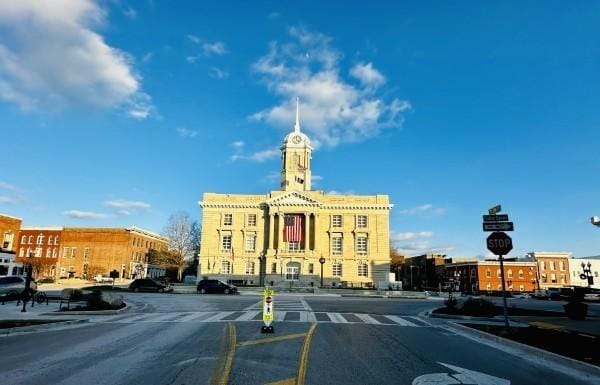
(522, 295)
(10, 286)
(102, 279)
(147, 284)
(215, 286)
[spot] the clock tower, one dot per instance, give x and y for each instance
(296, 154)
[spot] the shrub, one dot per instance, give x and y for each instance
(479, 307)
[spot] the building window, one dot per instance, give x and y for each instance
(553, 277)
(561, 265)
(336, 246)
(311, 268)
(29, 252)
(226, 243)
(48, 253)
(520, 273)
(498, 273)
(225, 267)
(50, 239)
(86, 253)
(40, 239)
(472, 272)
(292, 271)
(21, 252)
(363, 270)
(542, 265)
(251, 220)
(54, 252)
(488, 273)
(488, 287)
(293, 246)
(24, 239)
(56, 240)
(227, 219)
(274, 268)
(249, 267)
(544, 278)
(336, 221)
(66, 252)
(30, 239)
(361, 245)
(509, 273)
(250, 242)
(552, 265)
(563, 278)
(73, 252)
(38, 252)
(521, 288)
(361, 221)
(337, 270)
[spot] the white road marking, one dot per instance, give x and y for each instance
(337, 318)
(248, 315)
(218, 316)
(367, 319)
(280, 315)
(401, 321)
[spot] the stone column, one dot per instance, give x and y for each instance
(306, 232)
(271, 231)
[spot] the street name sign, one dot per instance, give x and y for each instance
(495, 218)
(498, 226)
(499, 243)
(495, 210)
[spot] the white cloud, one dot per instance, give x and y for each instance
(50, 58)
(423, 209)
(238, 144)
(216, 48)
(147, 57)
(333, 110)
(417, 243)
(79, 214)
(194, 38)
(186, 133)
(7, 186)
(130, 12)
(6, 200)
(367, 75)
(122, 204)
(259, 156)
(315, 179)
(410, 235)
(335, 192)
(192, 59)
(218, 73)
(13, 194)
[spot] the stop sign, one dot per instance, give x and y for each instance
(268, 300)
(499, 243)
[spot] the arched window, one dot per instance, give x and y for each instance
(521, 274)
(509, 273)
(40, 239)
(30, 239)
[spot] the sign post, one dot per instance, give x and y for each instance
(268, 304)
(501, 244)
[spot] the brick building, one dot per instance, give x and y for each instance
(485, 276)
(42, 244)
(9, 231)
(422, 271)
(553, 268)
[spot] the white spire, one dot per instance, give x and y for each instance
(297, 125)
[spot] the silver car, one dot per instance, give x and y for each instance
(13, 285)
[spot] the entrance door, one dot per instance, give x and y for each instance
(292, 271)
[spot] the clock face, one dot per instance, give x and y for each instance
(296, 139)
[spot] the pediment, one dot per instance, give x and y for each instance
(293, 198)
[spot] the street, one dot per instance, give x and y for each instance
(193, 339)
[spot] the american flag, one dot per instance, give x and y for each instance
(292, 230)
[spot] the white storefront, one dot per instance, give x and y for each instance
(8, 266)
(576, 270)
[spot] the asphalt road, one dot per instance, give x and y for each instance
(191, 339)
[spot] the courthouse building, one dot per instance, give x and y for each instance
(285, 237)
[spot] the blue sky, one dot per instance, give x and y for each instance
(120, 113)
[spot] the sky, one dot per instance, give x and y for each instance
(120, 113)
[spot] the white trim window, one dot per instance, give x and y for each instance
(73, 252)
(521, 288)
(227, 219)
(552, 265)
(21, 252)
(336, 220)
(86, 253)
(24, 239)
(251, 242)
(361, 221)
(561, 265)
(226, 267)
(498, 273)
(250, 268)
(66, 251)
(488, 287)
(362, 244)
(56, 240)
(363, 270)
(40, 239)
(336, 245)
(336, 269)
(521, 275)
(50, 237)
(251, 220)
(38, 252)
(30, 240)
(48, 253)
(226, 242)
(510, 275)
(54, 253)
(542, 265)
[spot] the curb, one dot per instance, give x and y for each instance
(567, 363)
(90, 312)
(40, 328)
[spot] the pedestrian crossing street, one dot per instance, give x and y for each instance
(256, 315)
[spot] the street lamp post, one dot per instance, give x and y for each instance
(26, 292)
(322, 262)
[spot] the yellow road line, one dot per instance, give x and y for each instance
(220, 376)
(304, 356)
(287, 381)
(272, 339)
(545, 325)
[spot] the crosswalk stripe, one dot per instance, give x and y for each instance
(367, 319)
(135, 318)
(337, 318)
(400, 321)
(191, 317)
(280, 315)
(160, 318)
(218, 316)
(310, 316)
(248, 315)
(419, 319)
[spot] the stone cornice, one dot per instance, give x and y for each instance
(227, 205)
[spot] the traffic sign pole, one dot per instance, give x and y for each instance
(505, 308)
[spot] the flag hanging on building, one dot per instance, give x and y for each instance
(292, 231)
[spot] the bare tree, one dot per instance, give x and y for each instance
(179, 230)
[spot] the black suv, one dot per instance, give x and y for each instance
(215, 286)
(147, 284)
